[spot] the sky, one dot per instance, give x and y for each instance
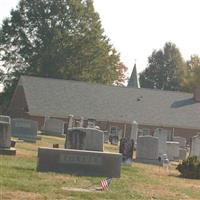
(137, 27)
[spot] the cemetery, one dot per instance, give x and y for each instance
(75, 124)
(138, 181)
(83, 155)
(81, 159)
(78, 149)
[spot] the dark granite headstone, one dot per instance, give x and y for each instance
(85, 139)
(24, 129)
(126, 148)
(79, 162)
(55, 145)
(13, 143)
(76, 139)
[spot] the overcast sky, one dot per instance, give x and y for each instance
(137, 27)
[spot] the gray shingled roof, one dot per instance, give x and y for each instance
(59, 98)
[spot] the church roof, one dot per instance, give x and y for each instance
(59, 98)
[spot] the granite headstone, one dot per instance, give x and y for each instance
(54, 126)
(147, 149)
(195, 147)
(79, 162)
(85, 139)
(5, 136)
(182, 141)
(172, 150)
(126, 148)
(24, 129)
(162, 139)
(134, 132)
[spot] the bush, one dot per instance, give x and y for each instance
(190, 168)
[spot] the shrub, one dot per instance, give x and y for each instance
(190, 168)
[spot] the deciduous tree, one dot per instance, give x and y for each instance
(191, 76)
(58, 39)
(165, 68)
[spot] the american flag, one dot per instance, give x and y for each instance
(105, 183)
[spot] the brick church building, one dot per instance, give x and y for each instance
(113, 107)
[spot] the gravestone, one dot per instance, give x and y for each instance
(147, 149)
(54, 127)
(106, 137)
(79, 162)
(114, 140)
(24, 129)
(91, 123)
(115, 135)
(195, 147)
(85, 139)
(81, 121)
(70, 121)
(5, 136)
(134, 132)
(55, 145)
(126, 148)
(167, 132)
(144, 132)
(182, 154)
(172, 150)
(162, 139)
(83, 155)
(182, 141)
(127, 145)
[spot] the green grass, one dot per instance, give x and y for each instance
(20, 180)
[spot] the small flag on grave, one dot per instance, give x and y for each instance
(105, 183)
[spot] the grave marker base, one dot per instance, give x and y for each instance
(79, 162)
(8, 151)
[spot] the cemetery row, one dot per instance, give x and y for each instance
(83, 151)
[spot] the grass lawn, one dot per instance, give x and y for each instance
(19, 179)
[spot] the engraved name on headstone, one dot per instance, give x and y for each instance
(80, 159)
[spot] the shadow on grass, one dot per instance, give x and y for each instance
(20, 168)
(185, 177)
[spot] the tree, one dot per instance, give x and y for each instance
(165, 69)
(58, 39)
(191, 76)
(121, 70)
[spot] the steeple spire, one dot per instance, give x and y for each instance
(133, 81)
